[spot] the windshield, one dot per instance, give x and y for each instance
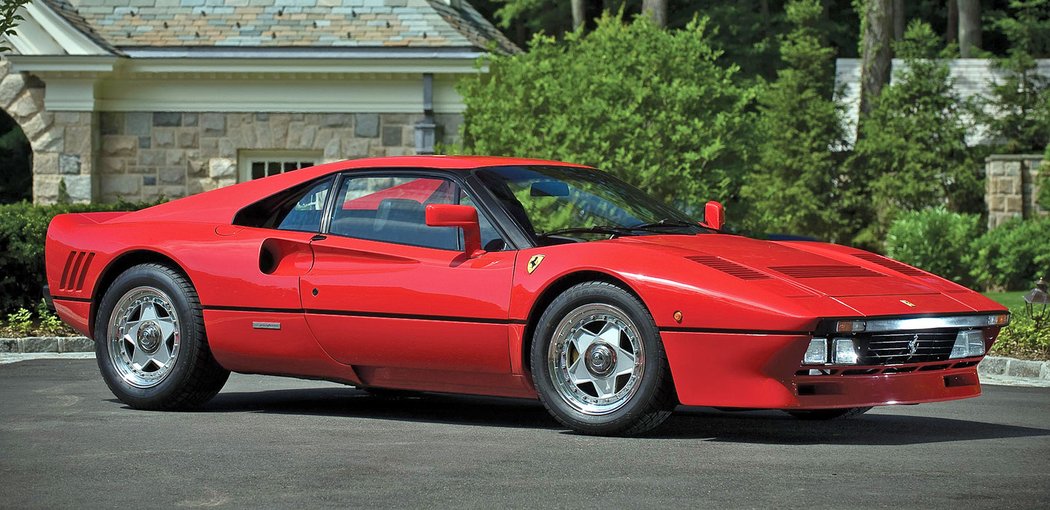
(563, 204)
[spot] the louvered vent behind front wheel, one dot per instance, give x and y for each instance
(730, 268)
(75, 271)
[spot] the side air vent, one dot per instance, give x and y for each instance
(830, 271)
(890, 263)
(75, 271)
(730, 268)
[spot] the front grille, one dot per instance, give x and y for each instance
(895, 348)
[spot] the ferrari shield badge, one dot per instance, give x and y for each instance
(534, 262)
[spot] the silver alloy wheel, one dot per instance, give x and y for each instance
(143, 336)
(596, 359)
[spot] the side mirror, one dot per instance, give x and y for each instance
(462, 216)
(714, 215)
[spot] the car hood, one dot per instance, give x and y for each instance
(796, 269)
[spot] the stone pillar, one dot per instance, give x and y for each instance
(1011, 187)
(63, 142)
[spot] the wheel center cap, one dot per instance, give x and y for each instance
(149, 337)
(600, 359)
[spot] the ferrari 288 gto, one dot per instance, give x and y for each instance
(505, 277)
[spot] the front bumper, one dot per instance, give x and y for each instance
(764, 371)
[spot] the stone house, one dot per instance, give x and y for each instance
(138, 99)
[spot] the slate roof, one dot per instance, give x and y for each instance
(417, 24)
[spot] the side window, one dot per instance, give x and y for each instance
(306, 214)
(299, 208)
(393, 210)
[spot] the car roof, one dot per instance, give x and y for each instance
(220, 205)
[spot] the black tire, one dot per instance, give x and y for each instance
(646, 397)
(190, 376)
(828, 414)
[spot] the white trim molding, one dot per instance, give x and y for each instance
(44, 32)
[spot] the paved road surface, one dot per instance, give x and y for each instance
(281, 443)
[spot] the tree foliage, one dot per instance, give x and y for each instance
(912, 150)
(656, 108)
(9, 19)
(797, 187)
(936, 240)
(1019, 103)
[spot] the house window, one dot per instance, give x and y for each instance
(259, 164)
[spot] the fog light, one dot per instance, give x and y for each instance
(845, 352)
(817, 353)
(968, 344)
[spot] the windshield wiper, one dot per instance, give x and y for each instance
(597, 229)
(665, 222)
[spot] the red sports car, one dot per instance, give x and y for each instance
(508, 277)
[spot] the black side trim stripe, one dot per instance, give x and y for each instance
(734, 331)
(74, 299)
(380, 315)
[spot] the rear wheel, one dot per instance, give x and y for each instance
(828, 414)
(598, 363)
(150, 342)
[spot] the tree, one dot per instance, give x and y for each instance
(797, 187)
(579, 13)
(654, 107)
(656, 9)
(877, 35)
(9, 18)
(913, 147)
(969, 27)
(1019, 104)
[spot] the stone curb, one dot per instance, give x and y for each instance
(992, 365)
(1011, 367)
(34, 344)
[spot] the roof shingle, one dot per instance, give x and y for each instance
(419, 24)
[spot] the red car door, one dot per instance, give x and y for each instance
(400, 301)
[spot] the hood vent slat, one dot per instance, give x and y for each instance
(890, 263)
(730, 268)
(826, 271)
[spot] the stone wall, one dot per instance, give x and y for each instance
(1011, 187)
(146, 155)
(63, 142)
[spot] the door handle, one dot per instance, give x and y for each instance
(318, 237)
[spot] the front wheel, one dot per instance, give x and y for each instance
(598, 363)
(150, 342)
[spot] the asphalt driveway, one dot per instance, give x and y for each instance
(273, 442)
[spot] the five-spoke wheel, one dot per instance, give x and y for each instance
(144, 335)
(150, 341)
(598, 363)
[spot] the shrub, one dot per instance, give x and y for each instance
(654, 107)
(936, 240)
(913, 143)
(23, 227)
(1022, 339)
(1013, 255)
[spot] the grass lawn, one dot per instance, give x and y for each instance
(1011, 300)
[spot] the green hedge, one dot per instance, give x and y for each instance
(936, 240)
(1013, 255)
(23, 227)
